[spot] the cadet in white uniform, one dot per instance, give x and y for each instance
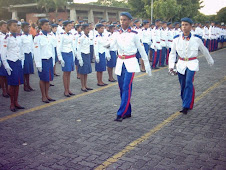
(44, 56)
(3, 72)
(76, 36)
(206, 35)
(83, 55)
(28, 51)
(92, 34)
(170, 41)
(187, 47)
(66, 53)
(163, 42)
(128, 41)
(12, 57)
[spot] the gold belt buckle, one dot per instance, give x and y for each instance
(123, 57)
(186, 59)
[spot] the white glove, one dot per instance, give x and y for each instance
(0, 63)
(172, 72)
(9, 70)
(80, 62)
(62, 63)
(149, 72)
(211, 63)
(97, 59)
(39, 69)
(108, 57)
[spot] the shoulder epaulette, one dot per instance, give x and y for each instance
(176, 36)
(134, 31)
(97, 35)
(7, 35)
(198, 36)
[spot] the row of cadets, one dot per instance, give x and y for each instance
(28, 51)
(66, 52)
(12, 57)
(128, 42)
(146, 39)
(3, 72)
(83, 55)
(170, 40)
(156, 46)
(78, 33)
(55, 41)
(111, 61)
(187, 46)
(100, 50)
(163, 43)
(44, 56)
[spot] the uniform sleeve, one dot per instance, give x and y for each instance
(172, 55)
(205, 52)
(59, 47)
(22, 58)
(95, 46)
(142, 52)
(4, 53)
(37, 53)
(79, 54)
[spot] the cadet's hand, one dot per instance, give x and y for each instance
(81, 62)
(97, 59)
(62, 63)
(172, 72)
(149, 72)
(108, 57)
(39, 69)
(0, 63)
(211, 63)
(9, 70)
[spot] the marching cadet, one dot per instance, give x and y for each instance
(60, 26)
(198, 30)
(55, 41)
(3, 72)
(128, 41)
(44, 56)
(28, 51)
(163, 42)
(206, 35)
(78, 33)
(92, 34)
(170, 40)
(111, 60)
(12, 56)
(66, 53)
(212, 35)
(176, 30)
(100, 54)
(187, 46)
(156, 46)
(83, 55)
(146, 39)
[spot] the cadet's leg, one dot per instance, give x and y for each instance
(16, 98)
(154, 58)
(12, 94)
(98, 77)
(163, 56)
(189, 93)
(68, 81)
(43, 91)
(182, 80)
(82, 77)
(110, 73)
(3, 86)
(65, 83)
(85, 80)
(26, 82)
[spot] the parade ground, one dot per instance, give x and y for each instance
(80, 132)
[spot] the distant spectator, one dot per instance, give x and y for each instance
(33, 31)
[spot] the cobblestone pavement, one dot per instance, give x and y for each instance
(79, 132)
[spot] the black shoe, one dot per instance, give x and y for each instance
(13, 109)
(84, 90)
(118, 119)
(67, 95)
(105, 84)
(126, 116)
(143, 71)
(89, 88)
(19, 107)
(71, 94)
(51, 84)
(52, 100)
(156, 68)
(78, 77)
(56, 75)
(184, 111)
(112, 80)
(100, 84)
(45, 101)
(5, 95)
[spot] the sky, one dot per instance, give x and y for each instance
(211, 7)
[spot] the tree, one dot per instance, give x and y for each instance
(221, 15)
(115, 3)
(59, 4)
(163, 9)
(201, 18)
(137, 8)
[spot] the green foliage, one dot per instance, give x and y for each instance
(221, 15)
(114, 3)
(201, 18)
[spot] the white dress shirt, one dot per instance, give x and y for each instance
(43, 48)
(170, 38)
(27, 43)
(83, 45)
(205, 33)
(164, 37)
(146, 36)
(100, 43)
(188, 49)
(11, 49)
(128, 42)
(156, 38)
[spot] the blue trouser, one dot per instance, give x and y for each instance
(146, 47)
(187, 88)
(206, 43)
(125, 85)
(167, 56)
(163, 56)
(155, 60)
(91, 53)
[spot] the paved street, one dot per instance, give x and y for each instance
(79, 132)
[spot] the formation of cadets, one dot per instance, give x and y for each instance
(76, 46)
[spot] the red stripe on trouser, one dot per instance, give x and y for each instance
(167, 56)
(193, 94)
(210, 45)
(155, 59)
(205, 42)
(160, 57)
(129, 96)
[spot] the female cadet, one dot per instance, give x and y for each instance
(78, 33)
(44, 58)
(12, 56)
(100, 42)
(28, 51)
(3, 72)
(83, 56)
(66, 55)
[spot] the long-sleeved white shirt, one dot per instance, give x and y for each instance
(27, 43)
(187, 49)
